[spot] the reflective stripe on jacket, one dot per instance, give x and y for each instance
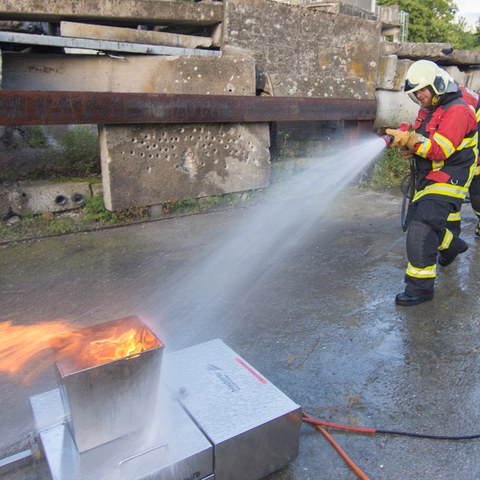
(446, 160)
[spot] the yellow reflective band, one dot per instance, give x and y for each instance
(437, 164)
(426, 272)
(447, 240)
(442, 189)
(424, 148)
(477, 114)
(471, 174)
(454, 217)
(477, 170)
(445, 144)
(469, 142)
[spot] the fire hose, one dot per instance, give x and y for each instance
(322, 427)
(407, 184)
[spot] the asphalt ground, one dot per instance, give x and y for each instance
(320, 323)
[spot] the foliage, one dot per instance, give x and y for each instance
(94, 211)
(387, 172)
(81, 150)
(432, 21)
(76, 155)
(36, 137)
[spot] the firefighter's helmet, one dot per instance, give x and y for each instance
(425, 73)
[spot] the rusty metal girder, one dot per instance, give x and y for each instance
(24, 107)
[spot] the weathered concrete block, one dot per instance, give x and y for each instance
(148, 12)
(473, 80)
(391, 72)
(437, 52)
(151, 164)
(119, 34)
(393, 108)
(42, 197)
(459, 76)
(228, 75)
(304, 51)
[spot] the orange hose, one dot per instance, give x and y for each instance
(336, 446)
(336, 426)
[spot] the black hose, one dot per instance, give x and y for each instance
(427, 436)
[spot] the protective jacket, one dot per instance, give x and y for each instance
(446, 160)
(473, 100)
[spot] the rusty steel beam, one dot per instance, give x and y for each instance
(24, 107)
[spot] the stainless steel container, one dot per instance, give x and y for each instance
(116, 397)
(253, 426)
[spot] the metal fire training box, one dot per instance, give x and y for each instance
(105, 399)
(252, 425)
(216, 418)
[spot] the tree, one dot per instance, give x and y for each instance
(432, 21)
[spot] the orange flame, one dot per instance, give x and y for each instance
(27, 349)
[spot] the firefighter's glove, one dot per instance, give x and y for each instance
(405, 139)
(414, 140)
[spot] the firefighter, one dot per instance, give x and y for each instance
(473, 99)
(444, 146)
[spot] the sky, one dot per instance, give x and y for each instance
(469, 9)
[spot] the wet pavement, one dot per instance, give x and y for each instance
(320, 323)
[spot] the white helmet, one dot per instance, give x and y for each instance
(425, 73)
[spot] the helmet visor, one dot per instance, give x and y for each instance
(412, 87)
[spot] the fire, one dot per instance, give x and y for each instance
(27, 349)
(105, 343)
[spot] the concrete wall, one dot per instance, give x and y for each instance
(305, 52)
(148, 165)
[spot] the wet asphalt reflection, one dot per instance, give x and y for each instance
(320, 323)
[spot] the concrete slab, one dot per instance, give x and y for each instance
(153, 74)
(150, 164)
(133, 35)
(319, 322)
(151, 12)
(39, 197)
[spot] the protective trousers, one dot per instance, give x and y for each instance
(474, 191)
(427, 234)
(454, 220)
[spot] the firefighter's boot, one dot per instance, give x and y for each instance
(406, 300)
(457, 247)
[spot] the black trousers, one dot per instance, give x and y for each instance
(426, 234)
(474, 193)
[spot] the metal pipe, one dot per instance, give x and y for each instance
(25, 107)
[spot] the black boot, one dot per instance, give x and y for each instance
(450, 254)
(406, 300)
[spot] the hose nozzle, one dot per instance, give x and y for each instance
(388, 139)
(404, 127)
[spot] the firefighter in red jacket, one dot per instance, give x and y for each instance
(473, 99)
(444, 145)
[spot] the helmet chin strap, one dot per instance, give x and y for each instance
(435, 100)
